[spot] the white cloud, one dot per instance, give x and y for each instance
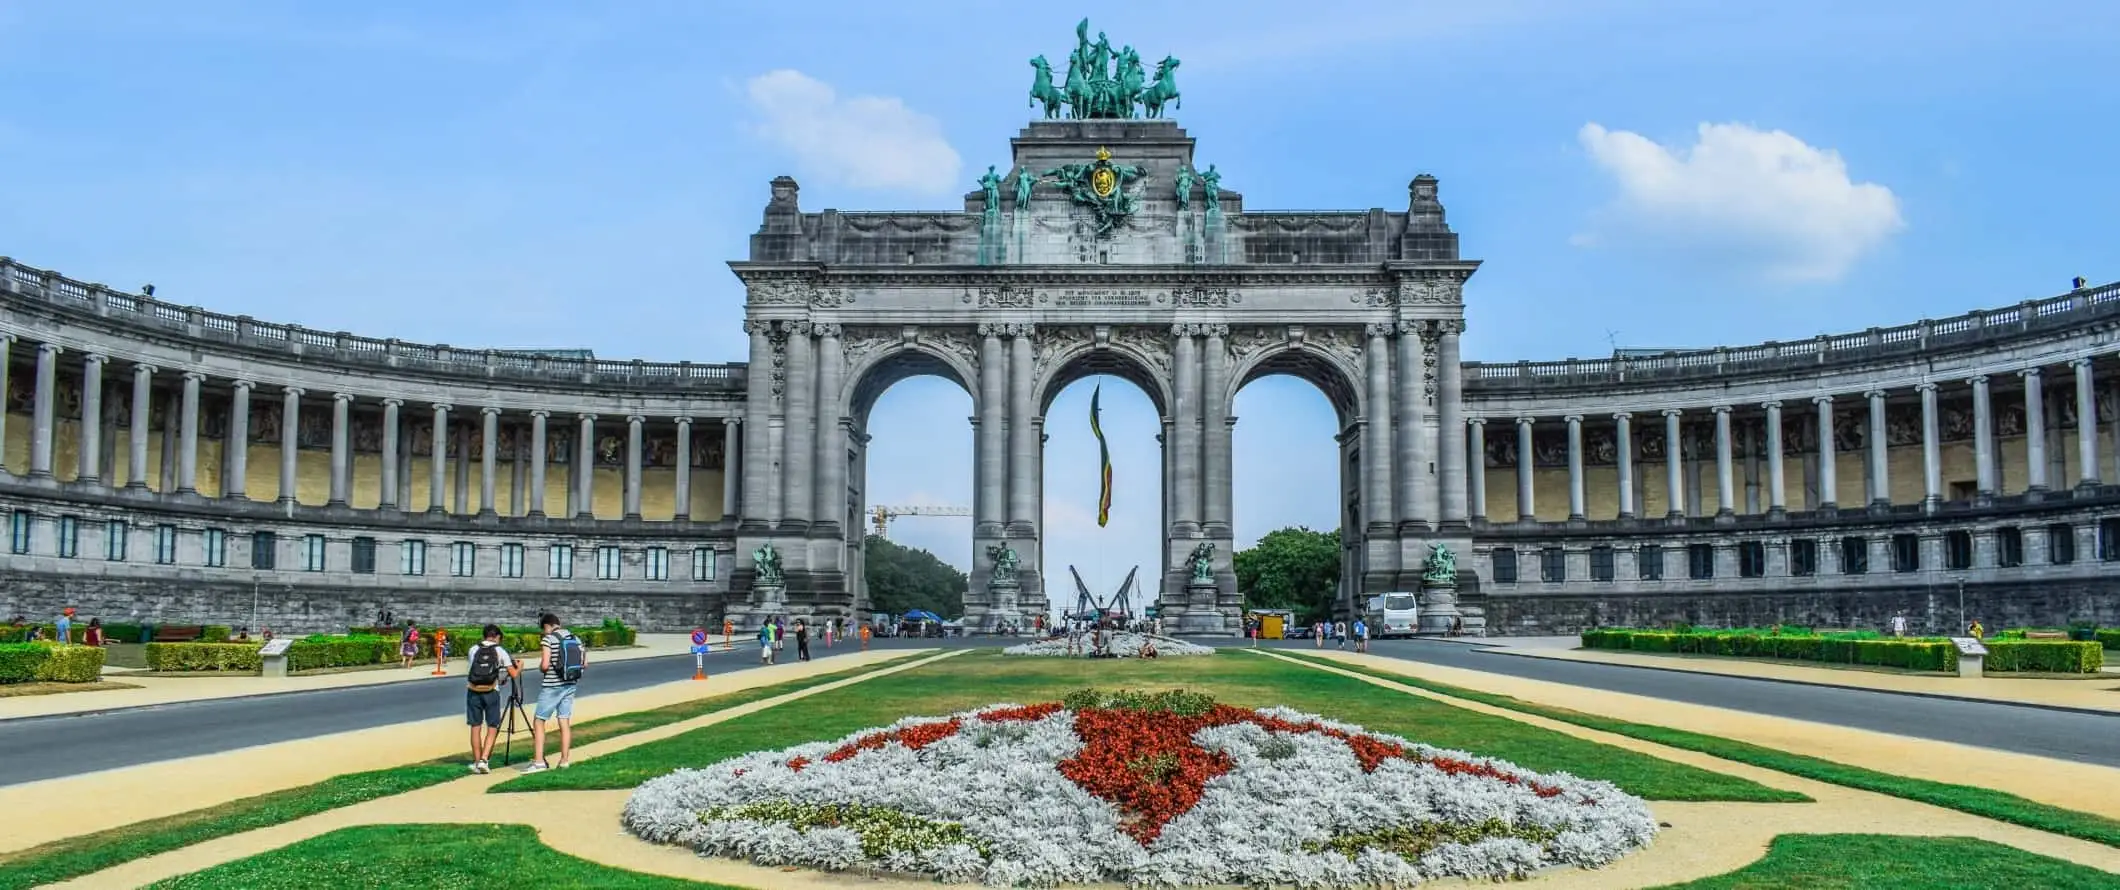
(1789, 205)
(861, 141)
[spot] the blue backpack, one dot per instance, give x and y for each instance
(570, 658)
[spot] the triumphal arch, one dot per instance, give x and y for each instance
(1103, 248)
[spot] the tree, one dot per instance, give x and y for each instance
(1291, 568)
(902, 579)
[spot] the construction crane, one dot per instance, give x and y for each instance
(882, 516)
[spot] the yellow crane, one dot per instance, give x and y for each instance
(882, 516)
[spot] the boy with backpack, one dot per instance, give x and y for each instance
(561, 665)
(491, 668)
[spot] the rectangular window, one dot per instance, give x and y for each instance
(702, 564)
(1854, 556)
(69, 537)
(607, 564)
(1700, 561)
(1803, 557)
(312, 553)
(1649, 562)
(2060, 544)
(1957, 549)
(1601, 563)
(2009, 547)
(1906, 552)
(463, 559)
(560, 561)
(264, 547)
(364, 556)
(166, 544)
(18, 527)
(215, 543)
(2109, 539)
(658, 567)
(511, 560)
(114, 540)
(412, 557)
(1752, 559)
(1552, 565)
(1504, 565)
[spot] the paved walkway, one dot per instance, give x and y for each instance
(1703, 839)
(160, 690)
(79, 804)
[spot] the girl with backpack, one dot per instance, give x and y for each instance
(765, 643)
(408, 644)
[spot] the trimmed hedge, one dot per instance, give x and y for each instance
(231, 657)
(50, 663)
(358, 649)
(1920, 654)
(2109, 637)
(112, 633)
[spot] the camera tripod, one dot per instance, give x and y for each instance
(516, 717)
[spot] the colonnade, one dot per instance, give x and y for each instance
(1876, 466)
(395, 485)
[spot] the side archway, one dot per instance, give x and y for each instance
(1133, 362)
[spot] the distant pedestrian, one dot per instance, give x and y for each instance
(1361, 635)
(864, 638)
(728, 632)
(1975, 631)
(491, 669)
(765, 643)
(1339, 635)
(408, 644)
(780, 635)
(1899, 625)
(829, 623)
(561, 664)
(63, 629)
(94, 635)
(802, 640)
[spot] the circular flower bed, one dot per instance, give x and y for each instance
(1124, 644)
(1169, 788)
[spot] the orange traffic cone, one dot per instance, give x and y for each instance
(699, 674)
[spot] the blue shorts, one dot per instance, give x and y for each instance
(482, 708)
(555, 701)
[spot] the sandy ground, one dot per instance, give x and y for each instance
(155, 690)
(77, 805)
(2101, 693)
(1704, 839)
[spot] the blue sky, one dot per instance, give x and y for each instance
(1633, 173)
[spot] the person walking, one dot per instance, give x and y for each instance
(765, 643)
(1339, 635)
(63, 629)
(408, 644)
(1899, 624)
(780, 636)
(864, 638)
(93, 636)
(1361, 635)
(561, 663)
(802, 640)
(491, 668)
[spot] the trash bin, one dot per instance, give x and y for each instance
(147, 633)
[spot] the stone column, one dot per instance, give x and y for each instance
(1476, 468)
(1575, 466)
(831, 493)
(1880, 455)
(1931, 449)
(1725, 483)
(732, 461)
(136, 426)
(1409, 412)
(1828, 462)
(537, 461)
(1451, 461)
(7, 342)
(460, 483)
(800, 448)
(43, 411)
(1624, 432)
(1185, 458)
(989, 436)
(631, 495)
(91, 437)
(681, 491)
(388, 499)
(1023, 437)
(1376, 439)
(290, 441)
(759, 487)
(585, 468)
(1674, 466)
(2086, 424)
(1777, 480)
(1526, 465)
(235, 444)
(1215, 433)
(516, 486)
(438, 462)
(1983, 439)
(2034, 431)
(489, 459)
(188, 435)
(341, 456)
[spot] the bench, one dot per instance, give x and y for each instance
(179, 634)
(2045, 635)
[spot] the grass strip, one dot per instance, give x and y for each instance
(421, 856)
(73, 857)
(1987, 803)
(1864, 861)
(977, 679)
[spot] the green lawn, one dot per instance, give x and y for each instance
(1984, 802)
(1865, 861)
(986, 677)
(90, 853)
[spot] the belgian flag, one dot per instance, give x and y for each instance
(1104, 459)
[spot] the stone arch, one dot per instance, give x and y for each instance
(873, 371)
(1333, 374)
(1131, 362)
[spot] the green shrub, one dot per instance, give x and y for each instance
(2109, 637)
(71, 664)
(216, 633)
(20, 662)
(231, 657)
(1921, 654)
(2044, 657)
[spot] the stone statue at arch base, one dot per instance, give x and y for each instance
(769, 590)
(1202, 612)
(1438, 601)
(1004, 587)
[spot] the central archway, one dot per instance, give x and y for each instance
(917, 453)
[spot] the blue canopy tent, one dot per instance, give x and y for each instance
(923, 615)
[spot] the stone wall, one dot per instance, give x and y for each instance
(1929, 608)
(191, 597)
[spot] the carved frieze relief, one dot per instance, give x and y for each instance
(1151, 344)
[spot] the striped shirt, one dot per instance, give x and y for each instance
(550, 643)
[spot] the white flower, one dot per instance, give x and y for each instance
(1124, 644)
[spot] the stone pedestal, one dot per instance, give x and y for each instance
(1439, 608)
(1200, 615)
(1003, 596)
(767, 600)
